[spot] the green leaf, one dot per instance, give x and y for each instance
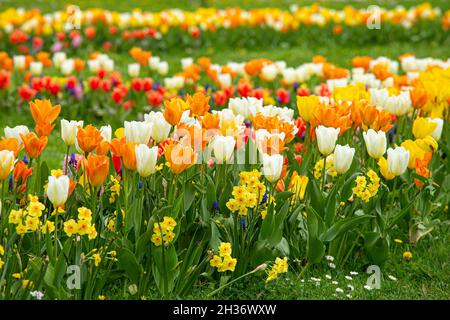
(347, 188)
(129, 263)
(189, 196)
(376, 248)
(315, 250)
(342, 226)
(316, 196)
(330, 206)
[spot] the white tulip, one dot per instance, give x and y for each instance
(58, 58)
(146, 159)
(94, 65)
(269, 72)
(186, 62)
(19, 62)
(7, 161)
(272, 166)
(343, 157)
(106, 133)
(436, 134)
(69, 131)
(16, 132)
(397, 160)
(161, 128)
(58, 190)
(326, 139)
(67, 67)
(153, 62)
(134, 69)
(36, 67)
(162, 68)
(375, 143)
(245, 107)
(138, 132)
(223, 147)
(224, 80)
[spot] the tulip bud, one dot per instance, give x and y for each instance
(397, 160)
(6, 163)
(326, 139)
(36, 68)
(138, 132)
(272, 166)
(343, 157)
(58, 190)
(69, 131)
(146, 159)
(223, 147)
(375, 143)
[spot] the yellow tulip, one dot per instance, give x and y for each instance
(423, 127)
(306, 105)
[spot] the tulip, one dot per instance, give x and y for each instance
(223, 147)
(16, 132)
(44, 114)
(19, 62)
(174, 109)
(272, 167)
(397, 160)
(436, 134)
(162, 68)
(146, 159)
(269, 72)
(375, 143)
(34, 145)
(343, 157)
(106, 133)
(180, 157)
(306, 106)
(186, 62)
(69, 131)
(153, 62)
(36, 67)
(88, 138)
(67, 67)
(58, 190)
(138, 132)
(160, 127)
(6, 163)
(97, 168)
(423, 127)
(133, 70)
(58, 58)
(245, 107)
(326, 139)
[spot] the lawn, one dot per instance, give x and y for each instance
(426, 276)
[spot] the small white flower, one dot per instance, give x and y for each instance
(348, 296)
(339, 290)
(315, 279)
(348, 278)
(353, 273)
(328, 277)
(351, 287)
(367, 287)
(302, 281)
(329, 258)
(332, 265)
(335, 282)
(392, 278)
(37, 294)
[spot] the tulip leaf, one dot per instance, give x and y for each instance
(376, 248)
(330, 206)
(316, 196)
(347, 188)
(189, 196)
(315, 250)
(343, 226)
(129, 264)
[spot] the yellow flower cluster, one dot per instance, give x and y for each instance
(83, 226)
(111, 224)
(364, 190)
(27, 220)
(248, 194)
(280, 266)
(330, 170)
(224, 262)
(163, 231)
(115, 190)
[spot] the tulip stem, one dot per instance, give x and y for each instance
(2, 204)
(324, 172)
(67, 160)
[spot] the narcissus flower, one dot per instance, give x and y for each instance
(34, 145)
(97, 168)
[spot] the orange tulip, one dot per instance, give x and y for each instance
(180, 157)
(174, 110)
(88, 138)
(210, 121)
(103, 148)
(198, 103)
(128, 154)
(10, 144)
(116, 146)
(381, 71)
(419, 96)
(44, 114)
(361, 62)
(97, 168)
(21, 174)
(34, 145)
(272, 145)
